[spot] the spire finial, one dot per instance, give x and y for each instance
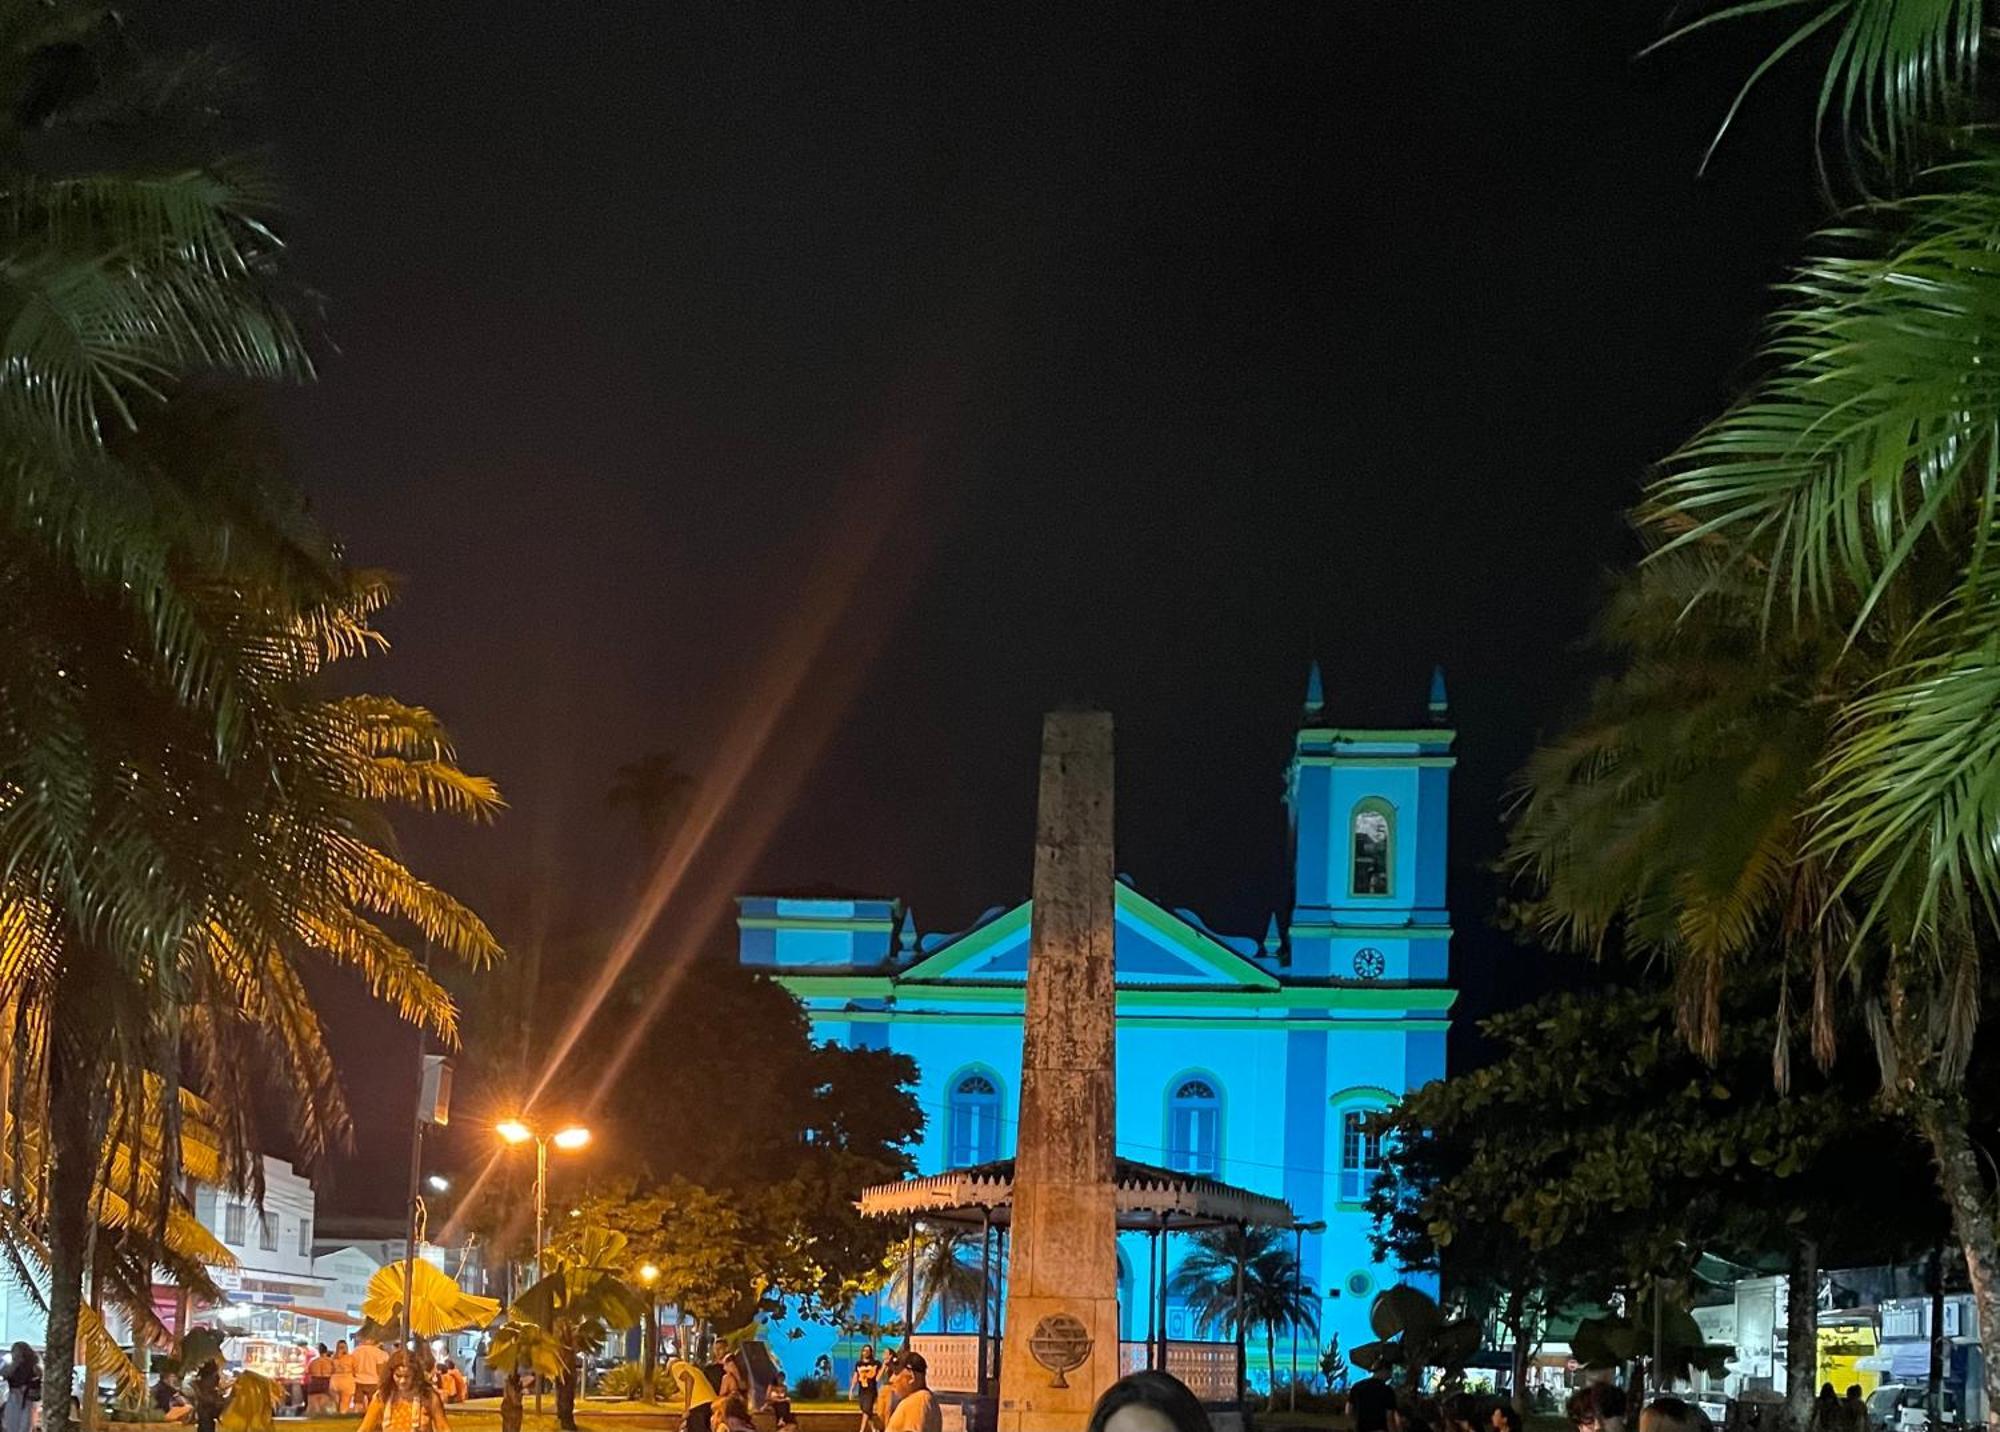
(1440, 706)
(1315, 691)
(907, 940)
(1272, 940)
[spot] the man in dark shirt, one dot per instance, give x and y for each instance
(1373, 1405)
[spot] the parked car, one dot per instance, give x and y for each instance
(1900, 1407)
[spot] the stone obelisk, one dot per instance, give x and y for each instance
(1060, 1350)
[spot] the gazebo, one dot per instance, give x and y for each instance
(1148, 1199)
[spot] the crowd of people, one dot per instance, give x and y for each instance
(396, 1391)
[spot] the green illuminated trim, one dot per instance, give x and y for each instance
(967, 947)
(1355, 1094)
(1313, 758)
(1360, 997)
(841, 986)
(1421, 736)
(1169, 927)
(1177, 931)
(807, 922)
(1336, 930)
(1141, 1021)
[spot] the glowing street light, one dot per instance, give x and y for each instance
(438, 1183)
(568, 1138)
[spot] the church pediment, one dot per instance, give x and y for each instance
(1153, 946)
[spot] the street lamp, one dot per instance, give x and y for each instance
(438, 1183)
(567, 1138)
(1299, 1232)
(649, 1349)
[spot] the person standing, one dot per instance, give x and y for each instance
(866, 1386)
(369, 1360)
(405, 1401)
(916, 1405)
(22, 1378)
(1372, 1404)
(342, 1386)
(319, 1381)
(206, 1393)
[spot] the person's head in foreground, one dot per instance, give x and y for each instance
(1503, 1417)
(1667, 1414)
(911, 1373)
(1148, 1401)
(1598, 1407)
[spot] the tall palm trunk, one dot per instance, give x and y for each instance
(1942, 1122)
(77, 1118)
(1801, 1332)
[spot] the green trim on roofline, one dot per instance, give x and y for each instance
(1174, 931)
(1142, 1021)
(1337, 930)
(1385, 997)
(808, 922)
(973, 943)
(1421, 735)
(1313, 758)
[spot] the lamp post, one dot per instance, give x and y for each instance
(567, 1138)
(649, 1347)
(1299, 1232)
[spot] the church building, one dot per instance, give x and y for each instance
(1252, 1060)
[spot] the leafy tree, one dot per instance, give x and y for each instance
(1855, 482)
(183, 816)
(1595, 1151)
(581, 1299)
(1275, 1296)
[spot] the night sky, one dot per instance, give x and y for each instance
(1120, 354)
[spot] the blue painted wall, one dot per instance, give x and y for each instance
(1345, 1013)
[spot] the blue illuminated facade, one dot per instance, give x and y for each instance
(1252, 1060)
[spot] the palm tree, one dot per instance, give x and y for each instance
(182, 815)
(131, 1245)
(1857, 483)
(1275, 1295)
(947, 1274)
(654, 791)
(161, 901)
(580, 1301)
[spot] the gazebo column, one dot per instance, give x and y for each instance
(1165, 1251)
(1242, 1365)
(985, 1288)
(910, 1284)
(1157, 1299)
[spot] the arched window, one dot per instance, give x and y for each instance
(1372, 830)
(1194, 1127)
(1360, 1154)
(974, 1122)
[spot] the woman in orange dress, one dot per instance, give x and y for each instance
(406, 1401)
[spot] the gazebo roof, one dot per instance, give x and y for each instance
(1147, 1197)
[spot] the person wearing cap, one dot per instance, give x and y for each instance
(916, 1406)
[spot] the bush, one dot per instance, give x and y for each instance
(627, 1380)
(816, 1389)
